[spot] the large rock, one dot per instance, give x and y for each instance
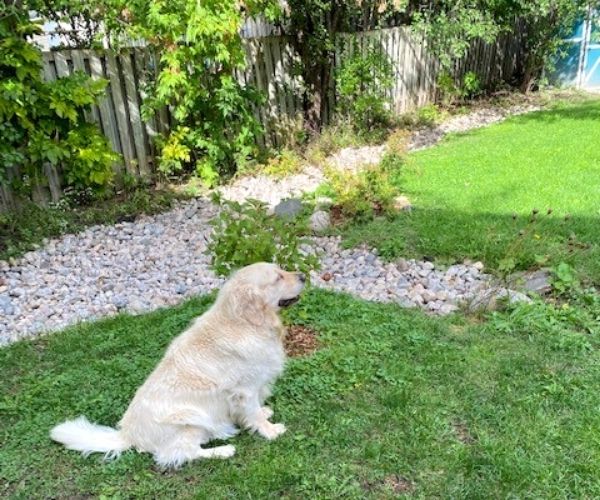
(289, 208)
(539, 281)
(320, 221)
(491, 299)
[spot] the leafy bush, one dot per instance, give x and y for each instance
(363, 195)
(332, 139)
(200, 50)
(397, 142)
(452, 93)
(245, 233)
(362, 82)
(564, 280)
(43, 122)
(429, 115)
(286, 162)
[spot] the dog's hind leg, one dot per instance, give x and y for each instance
(185, 447)
(196, 417)
(174, 456)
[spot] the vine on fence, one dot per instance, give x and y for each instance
(200, 50)
(42, 122)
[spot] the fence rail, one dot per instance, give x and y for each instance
(270, 69)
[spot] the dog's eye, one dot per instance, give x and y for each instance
(279, 277)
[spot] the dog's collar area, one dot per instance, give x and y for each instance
(289, 302)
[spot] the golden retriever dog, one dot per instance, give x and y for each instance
(213, 378)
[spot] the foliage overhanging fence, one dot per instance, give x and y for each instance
(270, 68)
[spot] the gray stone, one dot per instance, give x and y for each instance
(493, 298)
(320, 221)
(6, 305)
(120, 301)
(402, 265)
(448, 308)
(289, 208)
(539, 281)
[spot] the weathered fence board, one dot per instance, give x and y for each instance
(270, 69)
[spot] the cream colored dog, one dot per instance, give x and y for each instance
(214, 377)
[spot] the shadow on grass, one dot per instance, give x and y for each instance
(451, 236)
(586, 110)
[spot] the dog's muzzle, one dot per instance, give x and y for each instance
(289, 302)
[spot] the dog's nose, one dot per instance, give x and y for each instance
(302, 277)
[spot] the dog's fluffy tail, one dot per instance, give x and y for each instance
(81, 435)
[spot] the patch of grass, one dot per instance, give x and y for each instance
(475, 192)
(393, 402)
(22, 230)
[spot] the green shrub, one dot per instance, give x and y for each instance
(90, 163)
(245, 233)
(429, 115)
(362, 82)
(397, 142)
(332, 139)
(43, 122)
(363, 195)
(452, 93)
(200, 49)
(287, 162)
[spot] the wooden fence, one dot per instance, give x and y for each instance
(270, 64)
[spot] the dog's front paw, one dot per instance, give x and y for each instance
(271, 431)
(267, 412)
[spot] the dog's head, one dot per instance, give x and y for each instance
(259, 289)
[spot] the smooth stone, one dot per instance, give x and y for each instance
(289, 208)
(319, 221)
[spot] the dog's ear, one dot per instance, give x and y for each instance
(249, 304)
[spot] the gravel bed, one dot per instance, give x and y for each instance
(410, 283)
(483, 117)
(160, 260)
(154, 262)
(272, 191)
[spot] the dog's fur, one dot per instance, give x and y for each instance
(214, 377)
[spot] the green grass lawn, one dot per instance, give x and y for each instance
(393, 403)
(474, 193)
